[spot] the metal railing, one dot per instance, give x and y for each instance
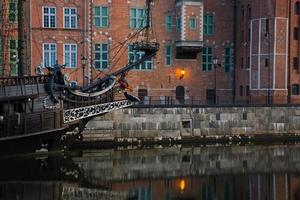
(196, 101)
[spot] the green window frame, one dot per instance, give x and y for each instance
(101, 56)
(101, 16)
(13, 11)
(192, 23)
(137, 18)
(178, 24)
(134, 55)
(207, 59)
(169, 23)
(13, 57)
(168, 55)
(1, 57)
(228, 61)
(208, 24)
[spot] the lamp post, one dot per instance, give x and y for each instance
(83, 62)
(215, 62)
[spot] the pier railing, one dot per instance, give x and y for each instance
(197, 101)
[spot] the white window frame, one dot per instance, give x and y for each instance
(49, 14)
(70, 18)
(50, 54)
(70, 55)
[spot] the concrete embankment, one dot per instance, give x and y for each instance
(204, 125)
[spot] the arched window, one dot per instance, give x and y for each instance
(297, 8)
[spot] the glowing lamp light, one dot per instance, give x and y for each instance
(182, 185)
(182, 73)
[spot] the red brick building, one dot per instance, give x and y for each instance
(256, 44)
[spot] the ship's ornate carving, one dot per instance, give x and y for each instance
(94, 110)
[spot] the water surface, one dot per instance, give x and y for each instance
(172, 173)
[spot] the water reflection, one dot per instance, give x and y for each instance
(174, 173)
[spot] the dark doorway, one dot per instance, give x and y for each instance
(210, 96)
(142, 93)
(180, 93)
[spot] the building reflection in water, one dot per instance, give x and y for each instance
(198, 173)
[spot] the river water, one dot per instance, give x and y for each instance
(169, 173)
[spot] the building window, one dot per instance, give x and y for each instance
(101, 16)
(168, 55)
(249, 11)
(297, 8)
(249, 34)
(242, 13)
(50, 54)
(137, 18)
(248, 62)
(241, 90)
(49, 17)
(295, 89)
(13, 11)
(70, 15)
(73, 84)
(178, 24)
(208, 24)
(207, 59)
(1, 57)
(242, 62)
(267, 27)
(13, 57)
(247, 90)
(296, 63)
(192, 23)
(70, 52)
(134, 55)
(228, 64)
(266, 62)
(296, 33)
(169, 23)
(101, 56)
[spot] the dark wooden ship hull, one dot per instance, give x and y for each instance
(42, 142)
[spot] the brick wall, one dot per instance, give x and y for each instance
(254, 50)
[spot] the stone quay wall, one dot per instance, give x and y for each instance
(177, 123)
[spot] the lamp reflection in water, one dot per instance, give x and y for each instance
(182, 185)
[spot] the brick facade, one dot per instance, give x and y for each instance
(253, 40)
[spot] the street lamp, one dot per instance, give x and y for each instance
(83, 63)
(182, 73)
(215, 62)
